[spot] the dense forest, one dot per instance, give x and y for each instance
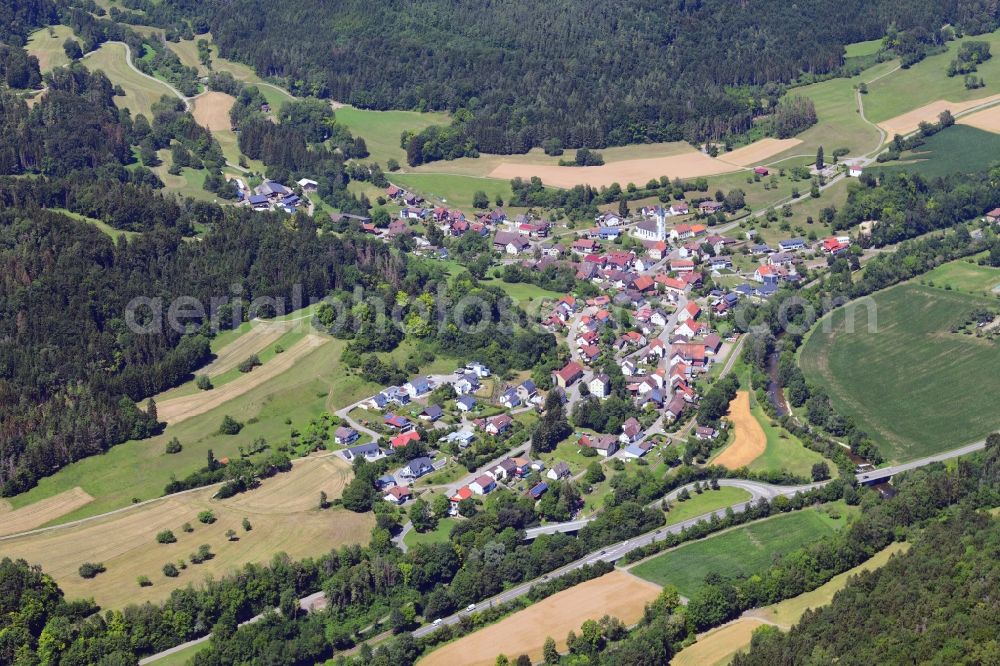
(583, 73)
(934, 605)
(70, 369)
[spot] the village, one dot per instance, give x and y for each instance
(662, 318)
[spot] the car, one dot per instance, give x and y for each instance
(603, 551)
(438, 622)
(470, 607)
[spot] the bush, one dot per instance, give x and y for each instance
(187, 527)
(144, 581)
(166, 536)
(91, 569)
(206, 517)
(249, 363)
(203, 553)
(170, 571)
(174, 446)
(230, 426)
(203, 382)
(246, 525)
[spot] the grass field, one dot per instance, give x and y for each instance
(617, 593)
(190, 182)
(965, 276)
(282, 512)
(437, 535)
(524, 293)
(858, 49)
(382, 129)
(743, 551)
(104, 227)
(958, 149)
(927, 81)
(710, 500)
(452, 189)
(914, 386)
(839, 123)
(140, 91)
(46, 44)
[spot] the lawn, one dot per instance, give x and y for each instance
(140, 91)
(438, 535)
(927, 81)
(381, 129)
(965, 276)
(743, 551)
(958, 149)
(46, 44)
(700, 504)
(452, 189)
(524, 294)
(913, 385)
(140, 469)
(189, 183)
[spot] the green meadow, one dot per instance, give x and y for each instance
(912, 384)
(957, 149)
(743, 551)
(382, 129)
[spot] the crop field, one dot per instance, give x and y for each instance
(211, 110)
(46, 44)
(927, 82)
(617, 593)
(988, 119)
(717, 647)
(960, 148)
(749, 440)
(911, 360)
(35, 515)
(140, 91)
(965, 276)
(759, 152)
(452, 189)
(709, 500)
(910, 121)
(742, 551)
(282, 513)
(381, 129)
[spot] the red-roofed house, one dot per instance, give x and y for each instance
(643, 283)
(398, 494)
(689, 311)
(399, 441)
(682, 265)
(568, 375)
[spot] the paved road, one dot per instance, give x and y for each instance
(757, 490)
(886, 472)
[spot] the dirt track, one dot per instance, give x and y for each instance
(750, 440)
(175, 410)
(43, 511)
(618, 593)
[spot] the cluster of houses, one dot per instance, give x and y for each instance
(506, 471)
(272, 195)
